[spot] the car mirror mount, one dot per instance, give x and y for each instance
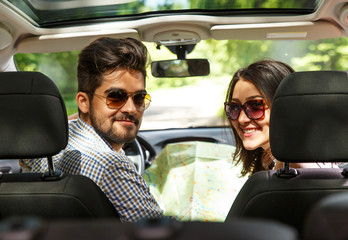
(180, 67)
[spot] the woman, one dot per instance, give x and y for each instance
(248, 106)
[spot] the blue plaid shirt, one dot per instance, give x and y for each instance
(88, 154)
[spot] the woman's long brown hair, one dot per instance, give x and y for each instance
(266, 76)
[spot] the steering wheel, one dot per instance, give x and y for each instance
(141, 152)
(135, 153)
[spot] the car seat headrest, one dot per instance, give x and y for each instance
(309, 117)
(33, 119)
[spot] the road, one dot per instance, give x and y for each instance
(185, 107)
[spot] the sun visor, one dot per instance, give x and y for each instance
(277, 31)
(69, 41)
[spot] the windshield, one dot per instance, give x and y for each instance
(186, 101)
(197, 101)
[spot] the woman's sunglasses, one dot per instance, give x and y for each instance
(118, 98)
(254, 109)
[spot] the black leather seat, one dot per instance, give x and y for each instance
(328, 219)
(308, 124)
(33, 124)
(160, 229)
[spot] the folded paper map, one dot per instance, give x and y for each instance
(195, 181)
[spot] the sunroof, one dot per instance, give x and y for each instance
(54, 12)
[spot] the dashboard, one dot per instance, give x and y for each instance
(155, 140)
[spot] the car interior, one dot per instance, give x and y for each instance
(186, 40)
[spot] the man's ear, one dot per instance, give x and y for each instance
(83, 103)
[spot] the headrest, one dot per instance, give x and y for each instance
(309, 117)
(33, 119)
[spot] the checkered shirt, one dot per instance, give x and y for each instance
(88, 154)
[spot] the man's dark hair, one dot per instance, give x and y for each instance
(109, 54)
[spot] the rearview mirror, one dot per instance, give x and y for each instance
(180, 68)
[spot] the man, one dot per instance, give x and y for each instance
(111, 101)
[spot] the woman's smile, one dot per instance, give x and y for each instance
(253, 133)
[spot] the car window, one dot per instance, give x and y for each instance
(196, 101)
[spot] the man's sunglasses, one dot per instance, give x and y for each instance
(118, 98)
(254, 109)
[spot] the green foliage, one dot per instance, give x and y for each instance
(251, 4)
(60, 67)
(326, 54)
(225, 58)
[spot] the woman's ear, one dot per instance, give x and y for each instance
(83, 103)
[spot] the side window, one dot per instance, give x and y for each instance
(60, 67)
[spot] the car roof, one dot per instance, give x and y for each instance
(33, 27)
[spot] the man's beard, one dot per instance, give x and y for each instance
(109, 133)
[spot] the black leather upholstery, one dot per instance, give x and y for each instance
(288, 200)
(307, 122)
(27, 194)
(328, 219)
(307, 125)
(33, 116)
(170, 230)
(33, 123)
